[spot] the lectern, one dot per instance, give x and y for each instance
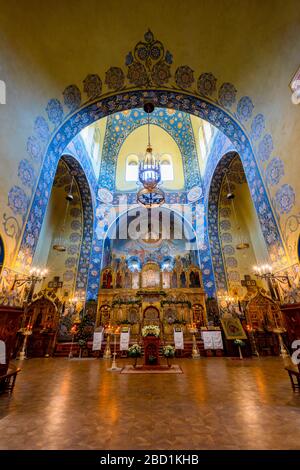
(151, 350)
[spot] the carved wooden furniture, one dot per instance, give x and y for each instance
(151, 351)
(294, 378)
(9, 326)
(151, 316)
(8, 380)
(43, 316)
(264, 314)
(265, 320)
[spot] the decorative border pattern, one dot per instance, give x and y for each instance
(88, 218)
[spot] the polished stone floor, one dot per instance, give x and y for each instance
(218, 403)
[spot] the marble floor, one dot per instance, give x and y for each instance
(218, 403)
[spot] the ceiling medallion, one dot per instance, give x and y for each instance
(151, 198)
(150, 195)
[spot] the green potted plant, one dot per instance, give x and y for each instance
(239, 343)
(135, 351)
(82, 343)
(168, 352)
(152, 360)
(83, 334)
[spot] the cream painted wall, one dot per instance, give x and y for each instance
(248, 220)
(51, 233)
(89, 131)
(162, 143)
(44, 47)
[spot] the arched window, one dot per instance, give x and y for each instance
(132, 168)
(166, 166)
(205, 136)
(1, 254)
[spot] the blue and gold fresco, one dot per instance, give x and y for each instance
(148, 68)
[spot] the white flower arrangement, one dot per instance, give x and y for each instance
(169, 350)
(150, 330)
(135, 350)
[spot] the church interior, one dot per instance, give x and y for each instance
(150, 225)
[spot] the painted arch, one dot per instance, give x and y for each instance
(155, 82)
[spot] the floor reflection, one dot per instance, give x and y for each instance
(218, 403)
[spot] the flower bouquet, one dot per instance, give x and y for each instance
(150, 330)
(82, 343)
(135, 351)
(168, 351)
(239, 343)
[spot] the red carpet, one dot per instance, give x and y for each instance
(174, 369)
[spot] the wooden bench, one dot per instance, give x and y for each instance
(8, 380)
(294, 376)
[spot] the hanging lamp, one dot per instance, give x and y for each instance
(150, 195)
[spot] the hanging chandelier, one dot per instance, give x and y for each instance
(150, 195)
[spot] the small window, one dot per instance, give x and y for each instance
(166, 166)
(207, 132)
(132, 168)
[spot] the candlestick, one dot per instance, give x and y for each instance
(114, 366)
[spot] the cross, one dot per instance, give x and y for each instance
(248, 282)
(55, 284)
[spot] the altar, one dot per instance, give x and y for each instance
(168, 294)
(150, 295)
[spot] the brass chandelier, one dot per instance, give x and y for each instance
(150, 196)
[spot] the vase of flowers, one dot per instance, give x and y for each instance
(135, 351)
(239, 343)
(151, 330)
(82, 343)
(168, 353)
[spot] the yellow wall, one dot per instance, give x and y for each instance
(162, 143)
